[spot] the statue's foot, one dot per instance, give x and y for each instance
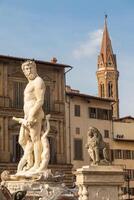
(20, 173)
(106, 161)
(33, 169)
(97, 162)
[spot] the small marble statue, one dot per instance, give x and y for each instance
(97, 148)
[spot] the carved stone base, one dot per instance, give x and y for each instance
(36, 189)
(45, 186)
(99, 182)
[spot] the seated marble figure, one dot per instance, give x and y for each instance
(98, 149)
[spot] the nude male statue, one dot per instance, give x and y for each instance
(33, 112)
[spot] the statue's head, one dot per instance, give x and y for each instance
(29, 69)
(92, 131)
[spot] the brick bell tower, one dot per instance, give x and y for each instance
(107, 73)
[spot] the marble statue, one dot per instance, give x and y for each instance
(32, 138)
(97, 148)
(32, 172)
(33, 112)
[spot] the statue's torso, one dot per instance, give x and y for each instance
(30, 99)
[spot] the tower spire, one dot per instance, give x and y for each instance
(106, 18)
(107, 73)
(106, 46)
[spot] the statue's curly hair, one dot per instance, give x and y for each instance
(28, 62)
(96, 132)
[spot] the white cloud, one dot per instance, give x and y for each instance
(89, 47)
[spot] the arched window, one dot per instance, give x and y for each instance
(102, 90)
(110, 89)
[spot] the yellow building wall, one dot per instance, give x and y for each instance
(83, 122)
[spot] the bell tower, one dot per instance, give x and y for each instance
(107, 73)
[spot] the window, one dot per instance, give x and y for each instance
(102, 90)
(92, 112)
(100, 113)
(131, 191)
(47, 100)
(106, 133)
(77, 130)
(110, 114)
(117, 154)
(110, 89)
(78, 149)
(18, 91)
(132, 154)
(126, 154)
(77, 110)
(130, 173)
(105, 114)
(17, 149)
(123, 154)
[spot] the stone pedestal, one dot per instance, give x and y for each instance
(36, 190)
(99, 182)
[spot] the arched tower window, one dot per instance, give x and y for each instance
(110, 89)
(102, 90)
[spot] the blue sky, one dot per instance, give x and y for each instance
(71, 30)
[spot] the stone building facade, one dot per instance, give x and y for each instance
(82, 112)
(12, 84)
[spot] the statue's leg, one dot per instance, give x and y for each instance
(21, 164)
(45, 156)
(23, 139)
(35, 133)
(105, 154)
(91, 154)
(30, 156)
(94, 156)
(97, 156)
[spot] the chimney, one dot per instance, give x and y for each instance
(54, 60)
